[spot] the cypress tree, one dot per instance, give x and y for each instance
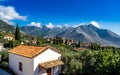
(17, 33)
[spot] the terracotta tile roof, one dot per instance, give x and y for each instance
(9, 35)
(51, 64)
(30, 51)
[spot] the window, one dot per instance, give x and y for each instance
(20, 66)
(59, 58)
(56, 70)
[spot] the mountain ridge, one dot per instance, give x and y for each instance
(83, 33)
(5, 26)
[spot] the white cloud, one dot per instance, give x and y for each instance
(50, 25)
(37, 24)
(59, 26)
(66, 25)
(95, 24)
(8, 13)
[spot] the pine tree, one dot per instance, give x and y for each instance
(17, 33)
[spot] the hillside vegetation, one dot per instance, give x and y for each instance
(6, 27)
(91, 62)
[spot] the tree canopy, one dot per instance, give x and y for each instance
(17, 33)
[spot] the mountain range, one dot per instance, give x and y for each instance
(43, 31)
(83, 33)
(90, 33)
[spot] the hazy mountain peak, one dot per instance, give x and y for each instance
(94, 23)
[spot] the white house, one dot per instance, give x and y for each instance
(35, 60)
(9, 37)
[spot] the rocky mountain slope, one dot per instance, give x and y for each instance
(83, 33)
(5, 26)
(43, 31)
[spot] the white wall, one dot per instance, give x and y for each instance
(46, 56)
(26, 62)
(8, 38)
(1, 47)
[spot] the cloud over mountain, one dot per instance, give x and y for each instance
(37, 24)
(96, 24)
(50, 25)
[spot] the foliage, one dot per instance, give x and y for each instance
(78, 45)
(95, 46)
(17, 33)
(16, 43)
(11, 44)
(57, 40)
(6, 27)
(90, 62)
(1, 35)
(4, 62)
(4, 56)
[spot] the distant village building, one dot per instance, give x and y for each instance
(85, 44)
(71, 42)
(9, 36)
(68, 41)
(50, 40)
(32, 60)
(1, 47)
(64, 40)
(0, 58)
(58, 40)
(79, 49)
(34, 41)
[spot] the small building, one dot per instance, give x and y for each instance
(85, 44)
(1, 47)
(68, 41)
(35, 60)
(9, 37)
(0, 58)
(34, 41)
(50, 40)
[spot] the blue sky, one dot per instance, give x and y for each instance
(105, 13)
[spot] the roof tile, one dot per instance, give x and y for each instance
(51, 64)
(30, 51)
